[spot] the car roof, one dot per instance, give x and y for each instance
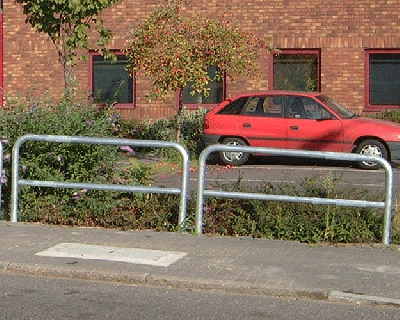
(277, 92)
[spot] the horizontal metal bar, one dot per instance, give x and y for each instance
(327, 155)
(285, 198)
(100, 141)
(95, 186)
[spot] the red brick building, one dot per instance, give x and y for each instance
(349, 49)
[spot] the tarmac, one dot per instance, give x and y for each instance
(361, 274)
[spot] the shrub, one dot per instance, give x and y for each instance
(165, 130)
(388, 115)
(295, 221)
(52, 161)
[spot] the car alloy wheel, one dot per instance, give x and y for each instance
(234, 158)
(371, 148)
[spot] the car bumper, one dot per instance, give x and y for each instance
(209, 140)
(394, 148)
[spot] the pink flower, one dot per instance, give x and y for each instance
(3, 178)
(127, 149)
(4, 140)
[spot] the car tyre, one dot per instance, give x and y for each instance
(372, 148)
(234, 158)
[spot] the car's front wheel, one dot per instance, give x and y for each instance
(371, 148)
(234, 158)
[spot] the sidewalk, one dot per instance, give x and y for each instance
(359, 273)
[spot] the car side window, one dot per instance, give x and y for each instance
(313, 110)
(235, 107)
(263, 106)
(251, 106)
(305, 108)
(294, 107)
(272, 107)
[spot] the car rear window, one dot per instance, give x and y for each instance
(235, 107)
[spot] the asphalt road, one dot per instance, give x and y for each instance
(289, 172)
(29, 297)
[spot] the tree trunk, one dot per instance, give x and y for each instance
(179, 116)
(69, 80)
(64, 57)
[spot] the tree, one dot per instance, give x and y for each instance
(67, 23)
(175, 50)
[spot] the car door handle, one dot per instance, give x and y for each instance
(246, 125)
(294, 127)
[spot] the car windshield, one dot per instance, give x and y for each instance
(337, 107)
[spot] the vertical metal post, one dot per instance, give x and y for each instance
(389, 187)
(200, 191)
(14, 181)
(184, 185)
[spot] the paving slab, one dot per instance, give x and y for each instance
(368, 272)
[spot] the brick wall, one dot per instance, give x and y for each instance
(341, 29)
(30, 62)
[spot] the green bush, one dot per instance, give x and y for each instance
(56, 161)
(388, 115)
(295, 221)
(165, 130)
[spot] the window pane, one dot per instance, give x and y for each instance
(263, 106)
(235, 107)
(272, 106)
(314, 110)
(384, 79)
(215, 94)
(297, 72)
(111, 82)
(252, 106)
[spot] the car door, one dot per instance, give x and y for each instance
(311, 126)
(262, 122)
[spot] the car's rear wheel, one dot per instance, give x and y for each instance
(371, 148)
(234, 158)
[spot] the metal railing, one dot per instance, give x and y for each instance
(387, 204)
(16, 182)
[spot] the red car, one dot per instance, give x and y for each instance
(297, 120)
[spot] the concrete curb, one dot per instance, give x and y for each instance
(195, 284)
(162, 281)
(355, 298)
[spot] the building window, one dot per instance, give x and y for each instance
(110, 82)
(382, 79)
(297, 70)
(216, 93)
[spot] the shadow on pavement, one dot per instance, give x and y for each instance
(288, 161)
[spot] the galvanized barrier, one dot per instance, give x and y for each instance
(387, 204)
(16, 182)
